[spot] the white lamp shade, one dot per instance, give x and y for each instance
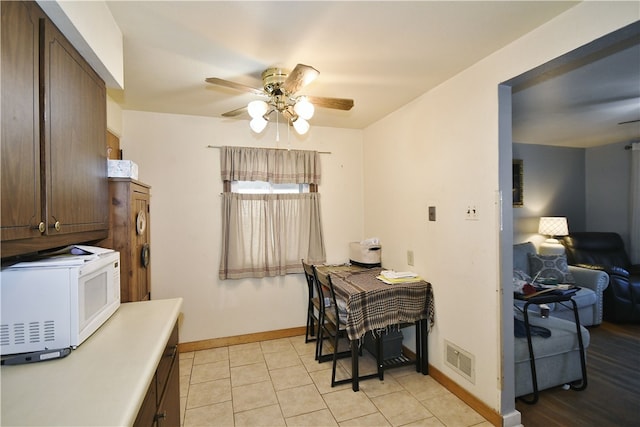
(301, 125)
(553, 226)
(258, 124)
(257, 108)
(304, 108)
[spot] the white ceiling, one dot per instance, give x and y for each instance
(381, 54)
(583, 106)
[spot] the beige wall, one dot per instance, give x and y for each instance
(185, 218)
(114, 117)
(442, 150)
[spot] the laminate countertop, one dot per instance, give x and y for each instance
(101, 383)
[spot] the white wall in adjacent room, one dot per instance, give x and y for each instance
(554, 185)
(608, 189)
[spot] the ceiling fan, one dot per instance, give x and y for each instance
(280, 87)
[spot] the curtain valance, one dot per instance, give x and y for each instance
(269, 164)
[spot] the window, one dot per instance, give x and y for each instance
(264, 187)
(270, 212)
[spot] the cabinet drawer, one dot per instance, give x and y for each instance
(168, 358)
(147, 413)
(169, 408)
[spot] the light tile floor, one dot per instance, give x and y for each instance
(279, 383)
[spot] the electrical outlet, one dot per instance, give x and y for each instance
(410, 257)
(472, 213)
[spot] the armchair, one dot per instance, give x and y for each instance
(605, 252)
(589, 298)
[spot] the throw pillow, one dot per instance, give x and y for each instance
(550, 267)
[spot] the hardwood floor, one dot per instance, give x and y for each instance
(612, 396)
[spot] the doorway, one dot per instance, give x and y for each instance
(574, 60)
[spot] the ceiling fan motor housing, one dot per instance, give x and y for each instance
(273, 78)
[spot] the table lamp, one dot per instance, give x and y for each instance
(552, 226)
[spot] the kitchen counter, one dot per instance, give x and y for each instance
(101, 383)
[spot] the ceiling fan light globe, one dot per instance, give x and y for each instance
(257, 109)
(301, 126)
(258, 124)
(304, 109)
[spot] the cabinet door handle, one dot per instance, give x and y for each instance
(42, 227)
(172, 351)
(57, 225)
(161, 416)
(145, 255)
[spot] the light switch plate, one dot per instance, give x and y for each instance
(432, 213)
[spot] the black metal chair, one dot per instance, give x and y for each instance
(313, 308)
(332, 326)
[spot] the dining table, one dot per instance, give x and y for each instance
(374, 305)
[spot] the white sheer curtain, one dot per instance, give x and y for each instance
(269, 234)
(634, 249)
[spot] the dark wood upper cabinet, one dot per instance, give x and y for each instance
(21, 209)
(75, 132)
(54, 168)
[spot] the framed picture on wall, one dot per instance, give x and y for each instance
(518, 201)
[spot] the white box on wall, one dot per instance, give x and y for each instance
(122, 169)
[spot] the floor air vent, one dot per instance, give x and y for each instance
(461, 361)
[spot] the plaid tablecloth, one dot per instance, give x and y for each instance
(373, 304)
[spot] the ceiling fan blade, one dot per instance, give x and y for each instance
(336, 103)
(236, 112)
(234, 85)
(629, 121)
(301, 76)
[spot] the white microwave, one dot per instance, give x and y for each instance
(57, 303)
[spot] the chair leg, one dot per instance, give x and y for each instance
(311, 327)
(318, 344)
(335, 360)
(320, 356)
(379, 360)
(306, 335)
(337, 355)
(319, 341)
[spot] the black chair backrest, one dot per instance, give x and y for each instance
(309, 275)
(325, 289)
(596, 248)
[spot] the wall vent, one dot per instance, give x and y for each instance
(460, 361)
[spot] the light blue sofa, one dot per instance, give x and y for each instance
(589, 298)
